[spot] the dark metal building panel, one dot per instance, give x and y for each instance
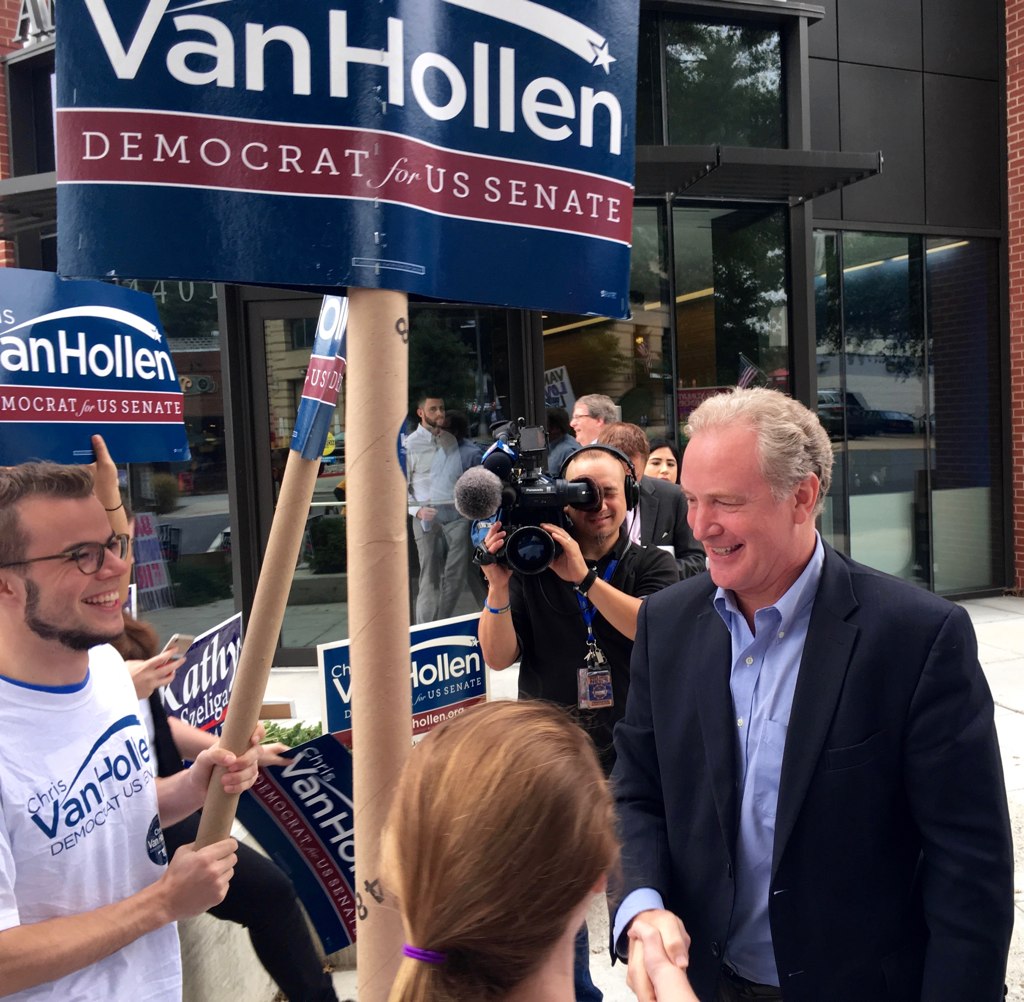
(824, 77)
(882, 32)
(884, 109)
(961, 37)
(962, 152)
(822, 36)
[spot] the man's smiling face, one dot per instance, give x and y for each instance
(756, 545)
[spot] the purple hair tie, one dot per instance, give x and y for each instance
(427, 956)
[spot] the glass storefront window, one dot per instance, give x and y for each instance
(907, 344)
(964, 420)
(883, 403)
(457, 355)
(722, 83)
(627, 360)
(184, 506)
(731, 305)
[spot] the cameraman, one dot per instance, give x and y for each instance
(592, 589)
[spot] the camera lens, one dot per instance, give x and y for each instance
(529, 550)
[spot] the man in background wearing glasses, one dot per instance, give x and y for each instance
(87, 899)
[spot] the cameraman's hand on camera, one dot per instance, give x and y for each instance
(498, 641)
(498, 575)
(569, 565)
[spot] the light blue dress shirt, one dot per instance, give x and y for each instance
(765, 665)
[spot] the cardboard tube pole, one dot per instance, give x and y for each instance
(261, 633)
(376, 391)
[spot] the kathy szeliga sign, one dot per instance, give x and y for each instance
(479, 150)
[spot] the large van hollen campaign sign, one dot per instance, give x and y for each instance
(480, 150)
(79, 359)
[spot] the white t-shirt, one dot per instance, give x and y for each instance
(79, 826)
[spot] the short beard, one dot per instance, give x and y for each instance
(75, 640)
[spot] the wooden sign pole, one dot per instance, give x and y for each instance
(376, 392)
(378, 561)
(261, 633)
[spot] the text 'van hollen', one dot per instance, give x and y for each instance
(72, 355)
(547, 107)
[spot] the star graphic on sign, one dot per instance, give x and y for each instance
(602, 57)
(474, 642)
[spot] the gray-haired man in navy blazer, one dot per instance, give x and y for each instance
(808, 778)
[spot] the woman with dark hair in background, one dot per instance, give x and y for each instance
(663, 461)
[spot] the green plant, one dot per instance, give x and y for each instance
(199, 584)
(327, 535)
(165, 492)
(297, 734)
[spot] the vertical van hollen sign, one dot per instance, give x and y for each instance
(470, 149)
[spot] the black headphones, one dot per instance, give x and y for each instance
(631, 487)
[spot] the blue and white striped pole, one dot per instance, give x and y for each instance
(312, 423)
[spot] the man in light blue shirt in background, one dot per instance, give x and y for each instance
(808, 779)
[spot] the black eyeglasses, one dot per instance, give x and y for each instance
(88, 556)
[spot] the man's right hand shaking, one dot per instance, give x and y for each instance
(659, 939)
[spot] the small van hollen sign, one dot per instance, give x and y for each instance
(79, 359)
(469, 149)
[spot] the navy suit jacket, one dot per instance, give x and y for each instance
(892, 873)
(663, 523)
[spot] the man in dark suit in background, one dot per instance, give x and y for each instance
(660, 517)
(808, 779)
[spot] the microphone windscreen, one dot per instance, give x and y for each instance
(477, 493)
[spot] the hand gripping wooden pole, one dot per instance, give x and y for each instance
(376, 406)
(262, 630)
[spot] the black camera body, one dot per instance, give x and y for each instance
(530, 496)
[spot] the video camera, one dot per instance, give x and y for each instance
(512, 482)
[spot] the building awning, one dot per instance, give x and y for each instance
(27, 203)
(736, 173)
(749, 174)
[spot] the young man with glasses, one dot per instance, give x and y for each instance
(87, 900)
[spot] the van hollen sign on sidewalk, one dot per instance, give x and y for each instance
(472, 149)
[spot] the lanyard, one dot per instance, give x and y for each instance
(587, 609)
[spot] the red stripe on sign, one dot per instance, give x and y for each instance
(125, 146)
(62, 405)
(323, 379)
(308, 844)
(429, 719)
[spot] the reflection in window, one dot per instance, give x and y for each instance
(182, 523)
(731, 301)
(302, 332)
(458, 386)
(722, 83)
(627, 360)
(906, 499)
(964, 419)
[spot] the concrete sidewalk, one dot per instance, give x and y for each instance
(999, 623)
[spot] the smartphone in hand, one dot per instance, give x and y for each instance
(181, 642)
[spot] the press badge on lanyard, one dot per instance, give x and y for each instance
(594, 679)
